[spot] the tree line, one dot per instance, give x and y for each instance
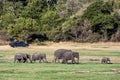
(60, 20)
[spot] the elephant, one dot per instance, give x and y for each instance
(105, 60)
(58, 54)
(22, 57)
(39, 56)
(68, 56)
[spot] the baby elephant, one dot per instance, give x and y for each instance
(22, 57)
(39, 56)
(68, 56)
(105, 60)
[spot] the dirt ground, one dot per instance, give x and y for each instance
(72, 45)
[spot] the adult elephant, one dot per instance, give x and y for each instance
(39, 56)
(22, 57)
(58, 54)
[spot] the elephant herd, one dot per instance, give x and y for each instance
(60, 55)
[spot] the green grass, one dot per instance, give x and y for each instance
(100, 53)
(88, 52)
(56, 71)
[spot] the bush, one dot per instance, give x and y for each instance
(95, 37)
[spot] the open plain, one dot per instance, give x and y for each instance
(89, 67)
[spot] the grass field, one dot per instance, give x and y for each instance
(86, 70)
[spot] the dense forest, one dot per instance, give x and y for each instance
(60, 20)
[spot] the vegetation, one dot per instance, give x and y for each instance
(51, 71)
(57, 19)
(86, 70)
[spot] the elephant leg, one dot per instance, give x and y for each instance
(34, 60)
(102, 61)
(43, 60)
(39, 60)
(58, 60)
(105, 61)
(30, 60)
(55, 59)
(73, 61)
(64, 61)
(26, 60)
(17, 61)
(78, 60)
(21, 61)
(109, 61)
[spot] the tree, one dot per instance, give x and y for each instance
(6, 19)
(100, 16)
(104, 25)
(97, 8)
(34, 9)
(1, 7)
(23, 27)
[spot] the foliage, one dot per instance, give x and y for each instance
(33, 9)
(1, 7)
(22, 27)
(59, 19)
(6, 20)
(100, 16)
(97, 8)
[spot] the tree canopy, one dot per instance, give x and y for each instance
(61, 20)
